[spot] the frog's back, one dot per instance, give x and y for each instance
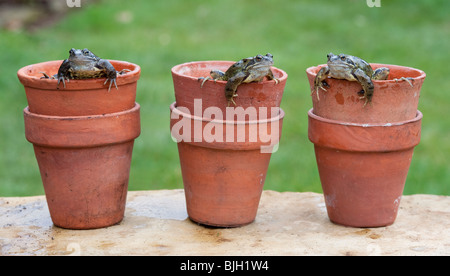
(363, 65)
(233, 69)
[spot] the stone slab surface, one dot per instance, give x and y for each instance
(288, 223)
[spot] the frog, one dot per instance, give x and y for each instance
(251, 69)
(83, 64)
(352, 68)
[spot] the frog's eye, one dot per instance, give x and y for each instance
(258, 58)
(342, 57)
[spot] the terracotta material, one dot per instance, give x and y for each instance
(188, 87)
(363, 167)
(392, 101)
(80, 97)
(84, 163)
(223, 181)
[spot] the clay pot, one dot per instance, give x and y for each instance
(223, 179)
(80, 97)
(391, 102)
(363, 167)
(256, 94)
(84, 163)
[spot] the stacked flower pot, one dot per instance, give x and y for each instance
(363, 153)
(83, 138)
(224, 150)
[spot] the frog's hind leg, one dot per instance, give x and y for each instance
(215, 75)
(232, 85)
(366, 83)
(319, 81)
(270, 76)
(408, 80)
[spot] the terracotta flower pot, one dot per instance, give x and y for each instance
(363, 167)
(84, 163)
(80, 97)
(256, 94)
(391, 102)
(225, 167)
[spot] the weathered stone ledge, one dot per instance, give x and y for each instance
(288, 223)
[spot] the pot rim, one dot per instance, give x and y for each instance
(29, 76)
(353, 137)
(421, 74)
(240, 132)
(82, 131)
(176, 70)
(418, 117)
(27, 112)
(175, 110)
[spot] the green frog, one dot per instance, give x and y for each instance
(83, 64)
(244, 71)
(353, 69)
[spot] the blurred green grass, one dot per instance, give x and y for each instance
(160, 34)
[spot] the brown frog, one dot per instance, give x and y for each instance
(244, 71)
(83, 64)
(353, 69)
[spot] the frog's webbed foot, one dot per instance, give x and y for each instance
(62, 79)
(215, 75)
(46, 76)
(368, 99)
(319, 81)
(231, 100)
(123, 71)
(270, 76)
(408, 80)
(111, 81)
(322, 86)
(204, 80)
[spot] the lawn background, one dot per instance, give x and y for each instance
(160, 34)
